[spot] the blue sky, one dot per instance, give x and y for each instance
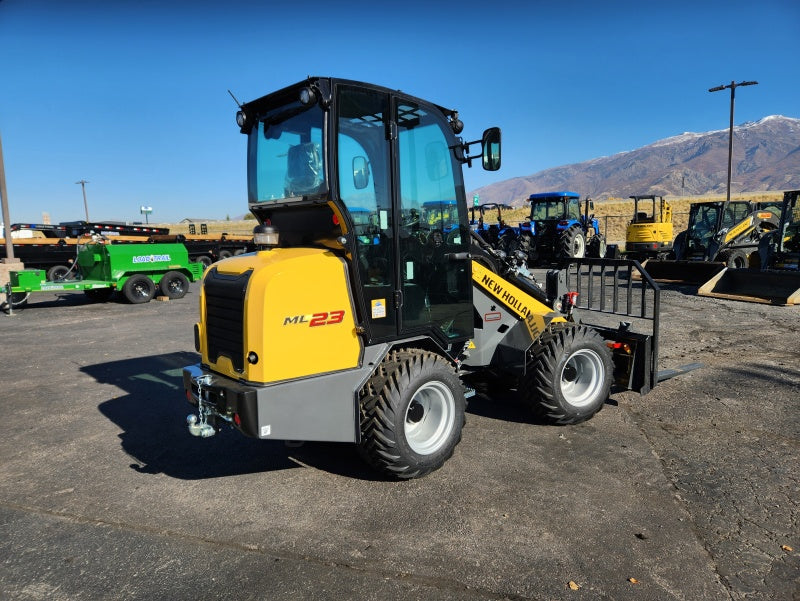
(132, 96)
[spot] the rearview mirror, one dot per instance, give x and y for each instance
(360, 172)
(490, 149)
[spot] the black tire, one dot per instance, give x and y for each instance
(225, 254)
(59, 273)
(99, 295)
(597, 247)
(139, 289)
(173, 284)
(569, 377)
(412, 413)
(572, 244)
(204, 259)
(734, 259)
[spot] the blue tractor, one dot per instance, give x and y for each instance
(560, 227)
(497, 234)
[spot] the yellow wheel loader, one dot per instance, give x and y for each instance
(358, 321)
(649, 233)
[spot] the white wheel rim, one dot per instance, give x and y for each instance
(581, 378)
(429, 418)
(578, 247)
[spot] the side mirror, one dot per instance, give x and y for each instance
(490, 149)
(360, 172)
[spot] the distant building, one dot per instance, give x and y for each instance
(195, 220)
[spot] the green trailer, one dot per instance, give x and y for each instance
(138, 271)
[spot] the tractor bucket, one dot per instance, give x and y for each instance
(682, 272)
(769, 287)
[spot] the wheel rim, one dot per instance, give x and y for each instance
(582, 378)
(429, 418)
(60, 274)
(578, 247)
(175, 285)
(141, 290)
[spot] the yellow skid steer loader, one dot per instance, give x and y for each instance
(778, 282)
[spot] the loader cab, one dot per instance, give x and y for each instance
(707, 220)
(374, 176)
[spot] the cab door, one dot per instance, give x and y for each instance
(431, 226)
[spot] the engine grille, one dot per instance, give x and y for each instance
(224, 317)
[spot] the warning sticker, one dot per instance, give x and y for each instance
(378, 308)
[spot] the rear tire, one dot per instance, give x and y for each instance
(173, 284)
(139, 289)
(568, 379)
(412, 413)
(572, 244)
(204, 259)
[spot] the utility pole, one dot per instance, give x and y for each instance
(6, 216)
(83, 183)
(732, 86)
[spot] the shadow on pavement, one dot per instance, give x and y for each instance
(495, 399)
(152, 416)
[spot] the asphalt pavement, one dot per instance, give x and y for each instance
(690, 492)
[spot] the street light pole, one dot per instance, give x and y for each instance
(732, 86)
(6, 215)
(83, 183)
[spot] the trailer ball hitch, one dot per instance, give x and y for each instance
(199, 427)
(203, 424)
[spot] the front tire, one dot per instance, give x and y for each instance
(569, 376)
(734, 259)
(597, 247)
(412, 413)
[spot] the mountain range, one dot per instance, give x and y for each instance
(766, 157)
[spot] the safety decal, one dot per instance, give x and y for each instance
(378, 308)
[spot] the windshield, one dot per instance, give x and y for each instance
(546, 209)
(285, 158)
(703, 221)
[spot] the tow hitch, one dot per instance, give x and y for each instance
(204, 424)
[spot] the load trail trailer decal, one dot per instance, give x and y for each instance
(151, 259)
